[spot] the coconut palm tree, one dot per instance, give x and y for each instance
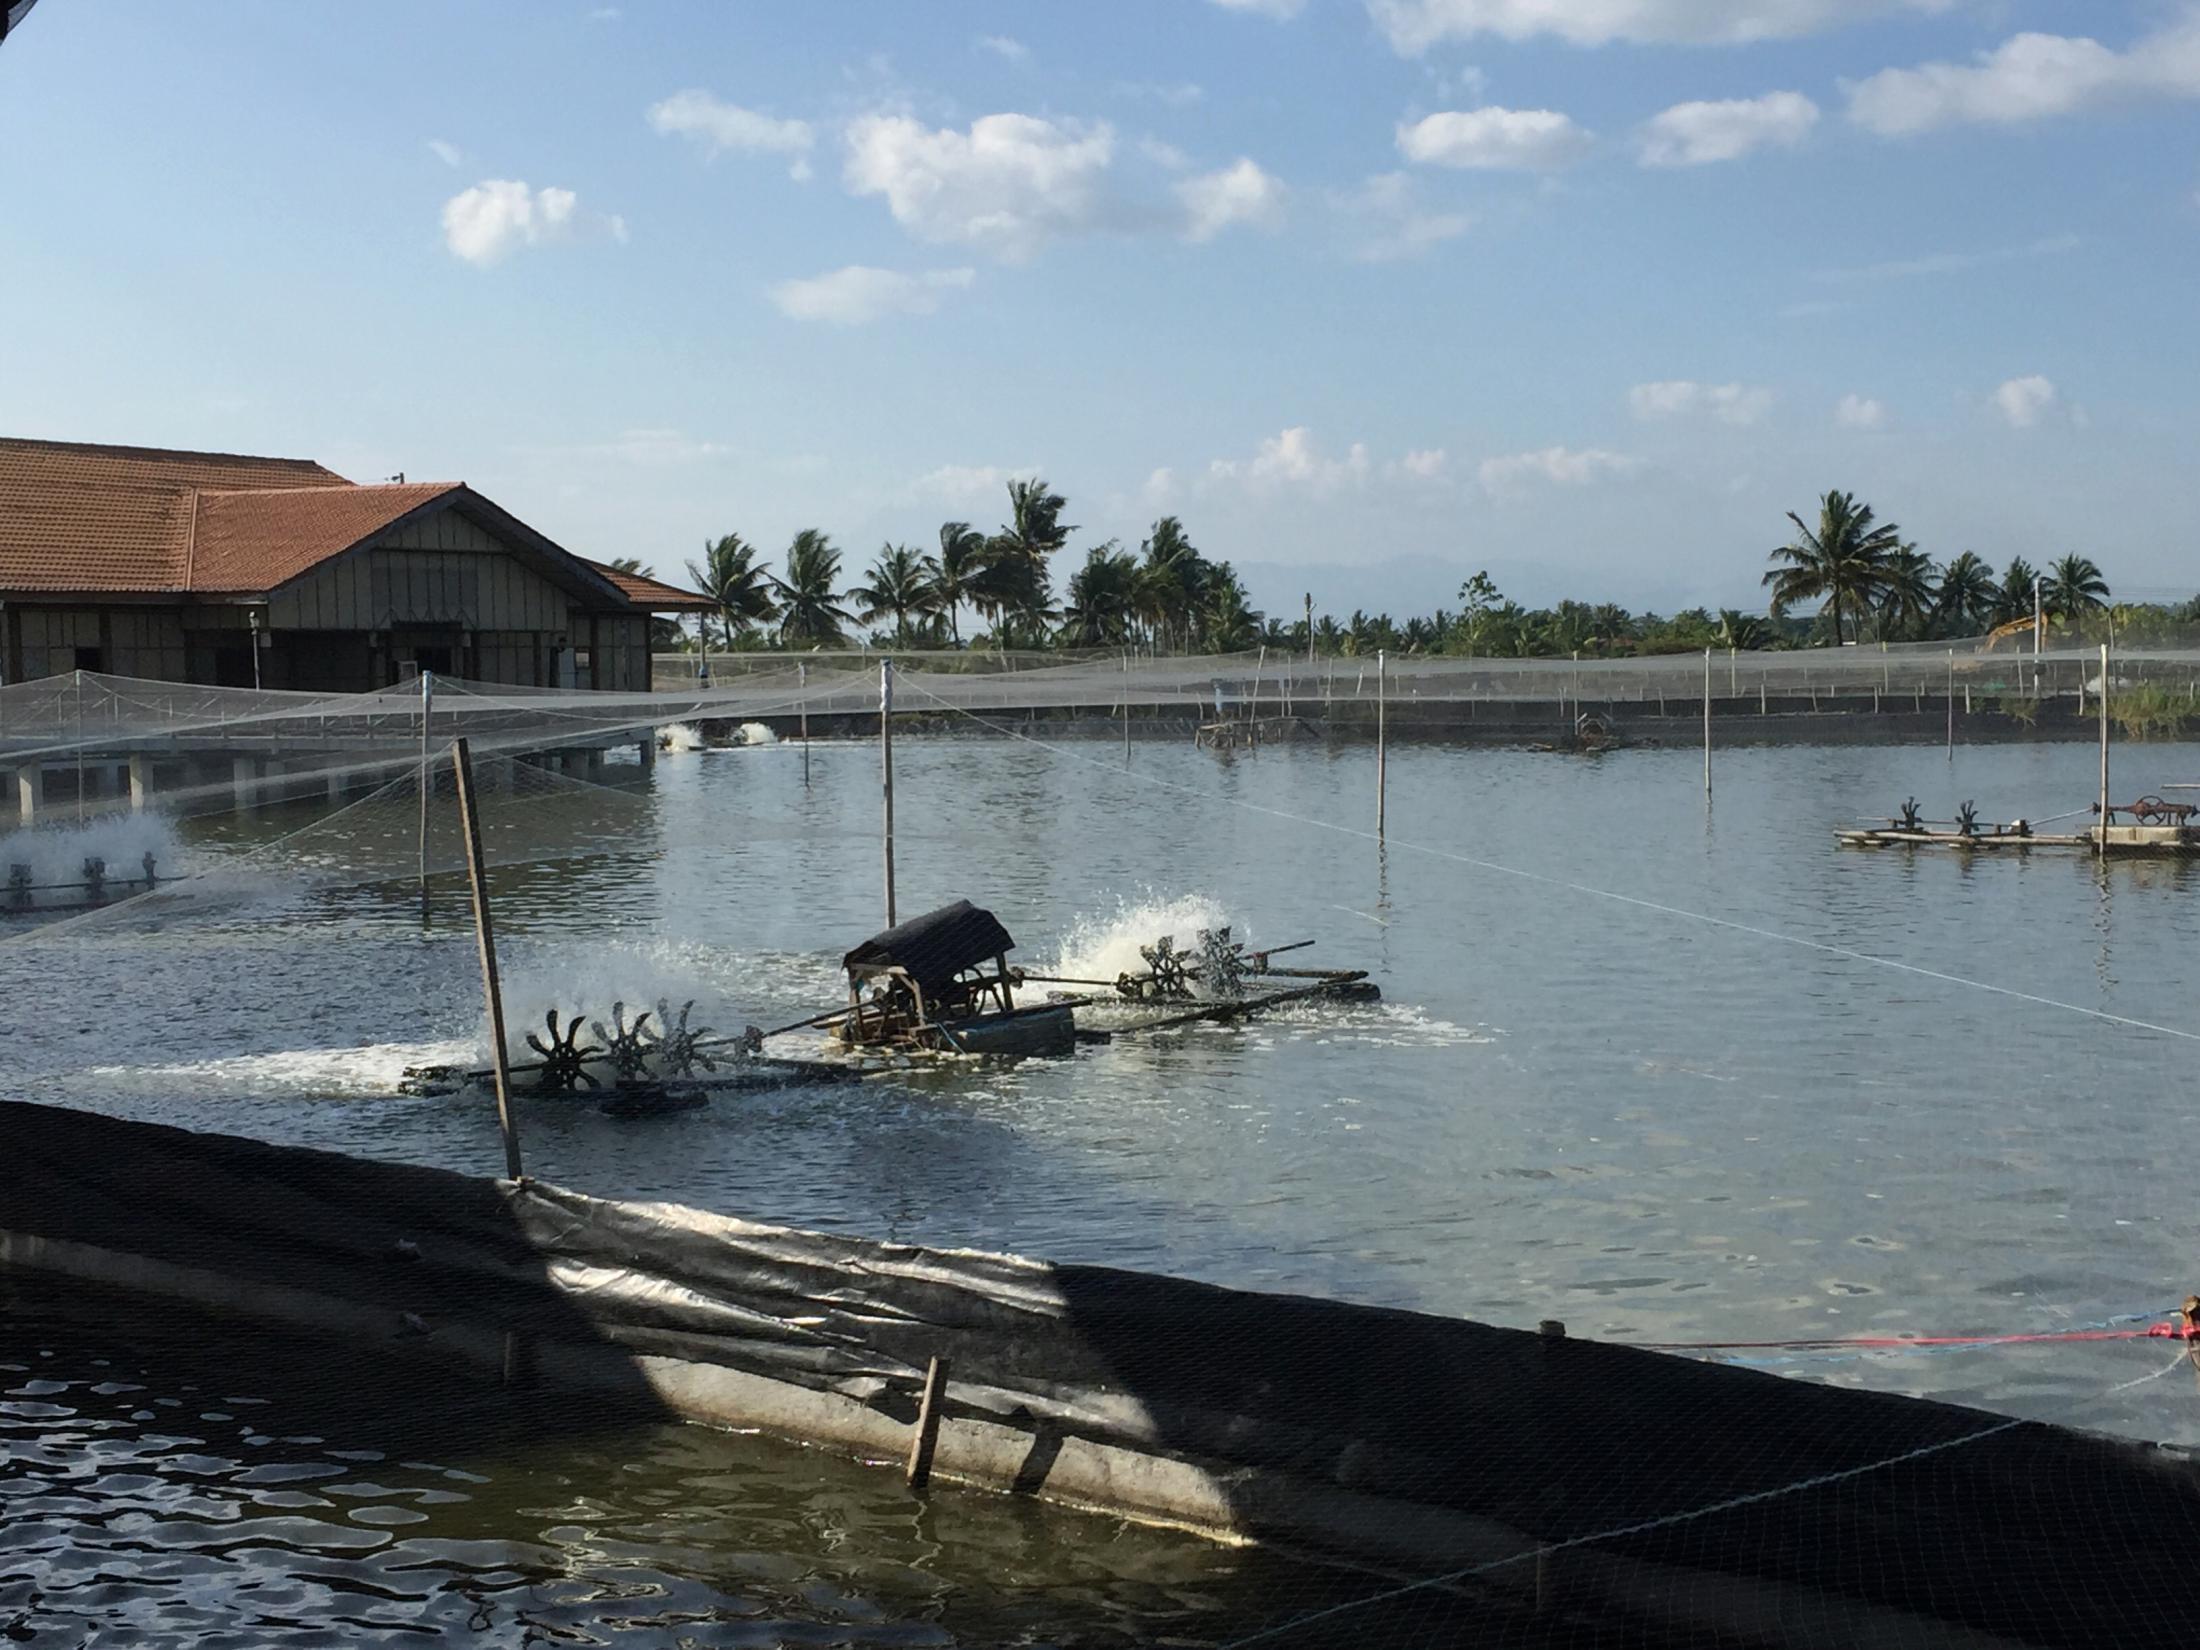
(956, 569)
(1740, 631)
(737, 584)
(1170, 575)
(1906, 592)
(1842, 560)
(810, 616)
(1226, 619)
(1964, 599)
(899, 583)
(1103, 598)
(2075, 588)
(2014, 599)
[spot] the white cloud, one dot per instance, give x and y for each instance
(1165, 155)
(1291, 459)
(1561, 466)
(1494, 138)
(1237, 194)
(2024, 401)
(1425, 464)
(1181, 94)
(2029, 77)
(1008, 186)
(1000, 45)
(1413, 26)
(605, 14)
(1949, 263)
(1698, 134)
(499, 215)
(448, 153)
(1388, 212)
(1859, 412)
(719, 127)
(1683, 397)
(1280, 11)
(859, 293)
(971, 483)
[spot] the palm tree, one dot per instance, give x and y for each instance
(955, 570)
(1740, 631)
(899, 583)
(2075, 588)
(810, 617)
(1103, 598)
(1964, 599)
(1842, 561)
(740, 588)
(1906, 590)
(1169, 580)
(1229, 624)
(2014, 599)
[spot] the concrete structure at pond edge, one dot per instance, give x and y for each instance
(1583, 1481)
(237, 571)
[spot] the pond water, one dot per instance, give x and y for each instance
(1641, 1062)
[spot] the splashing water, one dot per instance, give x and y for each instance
(1102, 945)
(756, 733)
(54, 855)
(680, 736)
(588, 981)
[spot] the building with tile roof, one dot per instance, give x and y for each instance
(242, 571)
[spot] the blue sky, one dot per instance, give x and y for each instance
(1371, 293)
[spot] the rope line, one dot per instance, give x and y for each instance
(1644, 1526)
(1545, 879)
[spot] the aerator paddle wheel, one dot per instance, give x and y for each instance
(1221, 964)
(1167, 976)
(627, 1048)
(677, 1053)
(1912, 820)
(565, 1058)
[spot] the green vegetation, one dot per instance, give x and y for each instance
(1854, 578)
(2150, 710)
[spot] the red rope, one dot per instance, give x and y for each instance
(2153, 1332)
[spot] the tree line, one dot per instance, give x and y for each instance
(1867, 582)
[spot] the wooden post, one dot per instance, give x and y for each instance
(1707, 721)
(928, 1424)
(2103, 697)
(886, 770)
(1382, 736)
(462, 763)
(427, 778)
(1951, 704)
(802, 681)
(1126, 707)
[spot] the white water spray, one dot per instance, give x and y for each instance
(1103, 945)
(54, 856)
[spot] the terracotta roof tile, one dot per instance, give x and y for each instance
(117, 520)
(248, 542)
(654, 594)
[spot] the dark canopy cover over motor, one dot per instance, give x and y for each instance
(935, 947)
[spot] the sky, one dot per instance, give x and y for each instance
(1370, 293)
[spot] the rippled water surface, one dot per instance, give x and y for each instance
(1636, 1067)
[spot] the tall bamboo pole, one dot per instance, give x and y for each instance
(427, 779)
(886, 770)
(2104, 751)
(1126, 707)
(1707, 721)
(1382, 745)
(1951, 704)
(802, 681)
(462, 763)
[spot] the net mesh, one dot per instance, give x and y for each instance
(1600, 1522)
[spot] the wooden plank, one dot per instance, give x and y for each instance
(927, 1438)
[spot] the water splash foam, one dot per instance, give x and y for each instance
(1102, 945)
